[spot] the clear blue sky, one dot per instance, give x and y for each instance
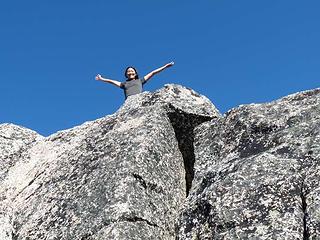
(233, 52)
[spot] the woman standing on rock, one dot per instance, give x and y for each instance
(133, 84)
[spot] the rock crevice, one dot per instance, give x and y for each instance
(303, 196)
(184, 125)
(138, 219)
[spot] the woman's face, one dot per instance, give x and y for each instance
(131, 73)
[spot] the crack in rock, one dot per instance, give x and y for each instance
(183, 124)
(137, 219)
(303, 196)
(8, 138)
(148, 185)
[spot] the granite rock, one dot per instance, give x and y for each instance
(14, 141)
(167, 165)
(124, 176)
(257, 172)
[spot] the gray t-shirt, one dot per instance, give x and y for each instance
(132, 87)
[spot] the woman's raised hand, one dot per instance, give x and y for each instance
(169, 64)
(98, 77)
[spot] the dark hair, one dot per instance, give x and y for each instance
(125, 73)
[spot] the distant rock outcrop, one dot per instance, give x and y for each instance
(168, 166)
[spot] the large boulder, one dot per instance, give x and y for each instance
(124, 176)
(257, 173)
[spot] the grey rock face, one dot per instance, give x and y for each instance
(257, 173)
(124, 176)
(14, 141)
(251, 174)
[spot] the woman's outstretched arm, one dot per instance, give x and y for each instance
(114, 82)
(151, 74)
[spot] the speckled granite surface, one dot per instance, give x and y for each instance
(257, 173)
(118, 177)
(167, 165)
